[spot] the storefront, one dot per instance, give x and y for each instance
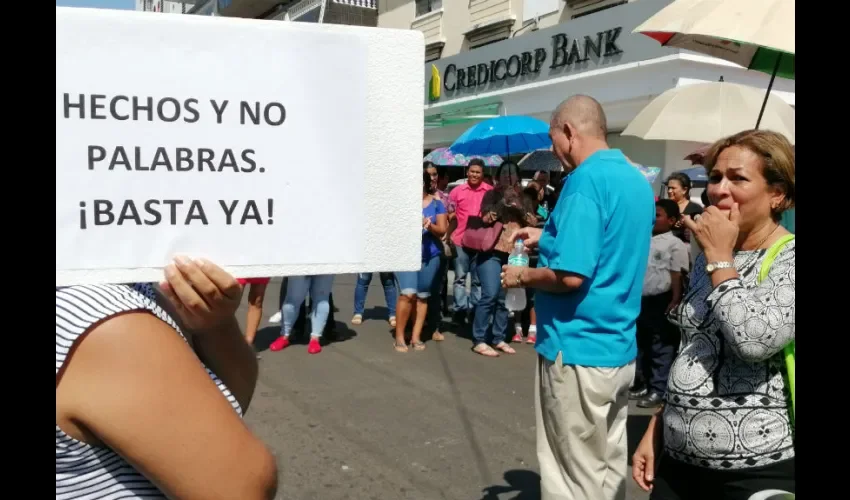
(596, 55)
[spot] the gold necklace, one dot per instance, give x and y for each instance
(765, 238)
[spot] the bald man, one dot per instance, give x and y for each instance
(594, 251)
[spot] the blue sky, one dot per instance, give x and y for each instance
(101, 4)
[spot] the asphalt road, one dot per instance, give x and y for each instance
(362, 422)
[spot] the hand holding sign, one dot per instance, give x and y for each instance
(203, 294)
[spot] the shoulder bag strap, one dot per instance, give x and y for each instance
(789, 350)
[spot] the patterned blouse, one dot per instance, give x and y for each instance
(727, 403)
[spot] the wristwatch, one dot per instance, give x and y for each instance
(714, 266)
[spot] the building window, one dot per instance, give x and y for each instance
(434, 51)
(586, 8)
(426, 6)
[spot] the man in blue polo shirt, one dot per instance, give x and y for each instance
(594, 251)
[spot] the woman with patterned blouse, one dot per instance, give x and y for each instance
(724, 431)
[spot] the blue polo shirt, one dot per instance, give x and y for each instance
(600, 228)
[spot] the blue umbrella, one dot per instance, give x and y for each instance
(696, 174)
(504, 135)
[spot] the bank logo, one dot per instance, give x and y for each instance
(434, 86)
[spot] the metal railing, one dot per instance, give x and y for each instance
(303, 7)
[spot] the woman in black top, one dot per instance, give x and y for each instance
(679, 190)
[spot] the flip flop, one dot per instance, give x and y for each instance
(505, 348)
(485, 350)
(418, 346)
(399, 347)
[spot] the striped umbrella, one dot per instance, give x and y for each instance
(755, 34)
(446, 158)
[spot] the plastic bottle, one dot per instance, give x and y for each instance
(515, 297)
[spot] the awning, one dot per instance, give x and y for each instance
(462, 115)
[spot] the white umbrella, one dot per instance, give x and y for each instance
(706, 112)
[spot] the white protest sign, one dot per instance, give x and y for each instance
(271, 148)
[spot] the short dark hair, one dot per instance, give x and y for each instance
(704, 198)
(683, 179)
(670, 207)
(476, 161)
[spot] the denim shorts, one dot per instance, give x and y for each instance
(419, 282)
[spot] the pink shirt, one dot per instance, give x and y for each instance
(467, 201)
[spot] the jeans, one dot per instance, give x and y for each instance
(432, 322)
(362, 287)
(492, 301)
(319, 288)
(419, 282)
(465, 263)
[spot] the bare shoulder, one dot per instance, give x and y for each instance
(134, 384)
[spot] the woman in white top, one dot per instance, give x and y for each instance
(150, 392)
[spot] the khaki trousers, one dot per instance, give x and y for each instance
(581, 417)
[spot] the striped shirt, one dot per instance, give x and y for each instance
(91, 472)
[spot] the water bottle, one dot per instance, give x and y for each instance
(515, 297)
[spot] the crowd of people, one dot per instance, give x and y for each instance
(618, 309)
(458, 231)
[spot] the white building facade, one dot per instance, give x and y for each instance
(526, 69)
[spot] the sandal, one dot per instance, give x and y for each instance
(485, 350)
(399, 347)
(357, 319)
(438, 337)
(418, 346)
(392, 321)
(505, 348)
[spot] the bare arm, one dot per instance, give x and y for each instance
(218, 343)
(135, 385)
(225, 352)
(440, 227)
(546, 279)
(676, 288)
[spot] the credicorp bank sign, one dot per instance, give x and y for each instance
(598, 40)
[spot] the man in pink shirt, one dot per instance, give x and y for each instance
(466, 199)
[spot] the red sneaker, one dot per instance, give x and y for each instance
(314, 347)
(280, 344)
(517, 338)
(532, 338)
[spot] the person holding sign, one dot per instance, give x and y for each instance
(136, 414)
